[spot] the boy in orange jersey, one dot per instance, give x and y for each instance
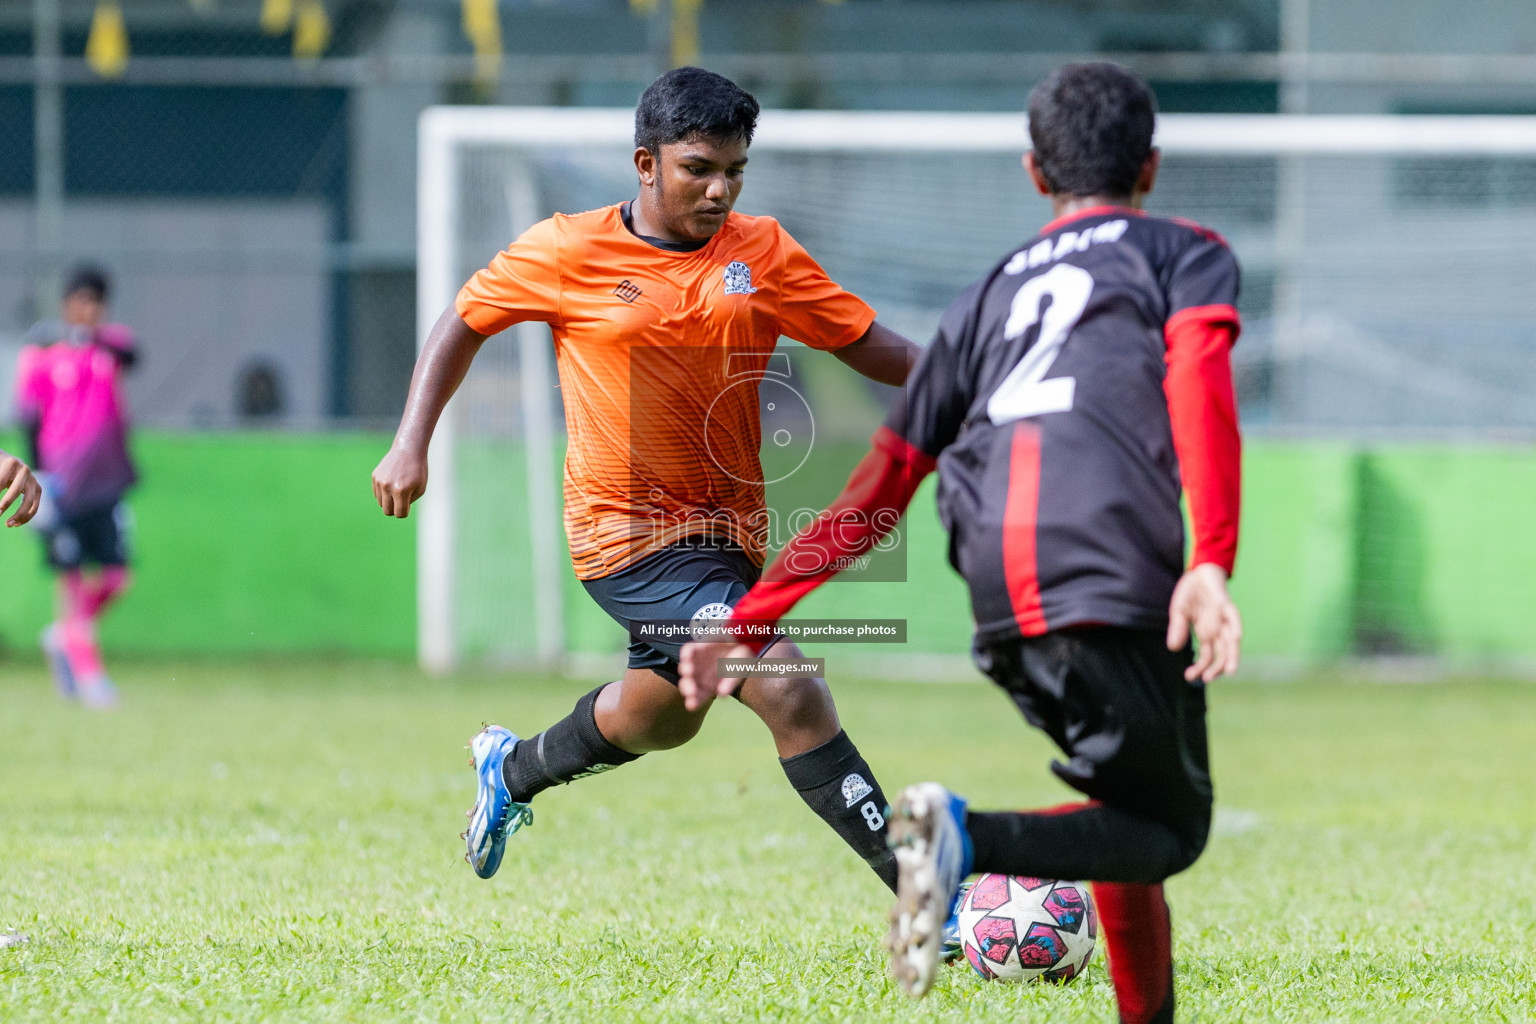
(657, 306)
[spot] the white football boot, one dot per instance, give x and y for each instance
(933, 856)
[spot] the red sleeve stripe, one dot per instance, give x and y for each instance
(1208, 314)
(1203, 412)
(903, 450)
(1200, 229)
(1020, 517)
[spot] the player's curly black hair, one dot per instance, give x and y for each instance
(1091, 125)
(688, 102)
(88, 278)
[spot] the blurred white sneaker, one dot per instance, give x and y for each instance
(98, 693)
(52, 644)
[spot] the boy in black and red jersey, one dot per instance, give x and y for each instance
(1069, 397)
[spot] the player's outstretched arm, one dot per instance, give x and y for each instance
(878, 491)
(1201, 603)
(401, 476)
(882, 355)
(17, 481)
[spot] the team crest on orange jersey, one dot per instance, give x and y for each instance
(738, 279)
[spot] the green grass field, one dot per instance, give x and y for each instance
(279, 842)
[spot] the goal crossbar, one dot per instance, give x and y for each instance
(1218, 134)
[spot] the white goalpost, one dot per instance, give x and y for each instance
(1387, 261)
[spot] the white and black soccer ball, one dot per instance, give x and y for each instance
(1015, 928)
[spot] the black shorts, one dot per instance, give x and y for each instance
(93, 537)
(1117, 704)
(687, 580)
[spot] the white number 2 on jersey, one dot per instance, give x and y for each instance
(1025, 391)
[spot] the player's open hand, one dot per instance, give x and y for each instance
(1201, 602)
(699, 679)
(400, 479)
(17, 481)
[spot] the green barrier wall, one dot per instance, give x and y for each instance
(243, 543)
(1394, 549)
(271, 543)
(1446, 557)
(1295, 564)
(1295, 579)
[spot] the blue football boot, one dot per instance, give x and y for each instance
(950, 946)
(933, 856)
(495, 814)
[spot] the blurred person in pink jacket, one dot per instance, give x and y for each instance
(71, 406)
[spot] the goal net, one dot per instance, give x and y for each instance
(1386, 293)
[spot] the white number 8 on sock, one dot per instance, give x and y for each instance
(872, 816)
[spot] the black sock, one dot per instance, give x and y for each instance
(837, 784)
(1088, 841)
(571, 749)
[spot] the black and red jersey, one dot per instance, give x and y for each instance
(1068, 399)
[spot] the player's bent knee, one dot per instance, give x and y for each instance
(644, 713)
(666, 735)
(793, 702)
(801, 698)
(665, 728)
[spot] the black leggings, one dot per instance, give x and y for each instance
(1117, 704)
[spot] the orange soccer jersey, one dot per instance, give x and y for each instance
(659, 354)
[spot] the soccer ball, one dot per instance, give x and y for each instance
(1015, 928)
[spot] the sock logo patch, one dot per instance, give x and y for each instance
(855, 788)
(596, 769)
